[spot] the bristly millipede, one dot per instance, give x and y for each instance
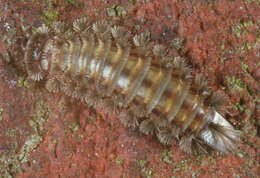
(153, 90)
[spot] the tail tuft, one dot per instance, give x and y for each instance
(220, 135)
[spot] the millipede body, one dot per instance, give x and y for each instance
(151, 89)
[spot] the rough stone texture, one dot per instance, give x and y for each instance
(52, 135)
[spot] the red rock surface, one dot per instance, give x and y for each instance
(48, 135)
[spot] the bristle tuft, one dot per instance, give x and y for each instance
(138, 111)
(160, 51)
(186, 143)
(202, 84)
(165, 136)
(91, 99)
(102, 30)
(53, 85)
(128, 119)
(191, 144)
(181, 64)
(175, 131)
(121, 35)
(80, 92)
(37, 76)
(147, 126)
(217, 101)
(43, 29)
(68, 34)
(58, 27)
(142, 39)
(69, 88)
(80, 24)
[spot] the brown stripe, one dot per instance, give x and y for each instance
(200, 119)
(195, 108)
(133, 88)
(179, 101)
(159, 91)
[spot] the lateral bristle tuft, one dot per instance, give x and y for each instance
(68, 34)
(138, 111)
(43, 29)
(102, 30)
(91, 99)
(202, 84)
(80, 24)
(53, 85)
(37, 76)
(186, 143)
(80, 92)
(175, 131)
(128, 119)
(191, 144)
(217, 101)
(69, 88)
(160, 51)
(80, 78)
(120, 32)
(159, 120)
(147, 126)
(164, 136)
(58, 27)
(121, 35)
(142, 39)
(181, 64)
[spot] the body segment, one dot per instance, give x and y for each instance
(160, 99)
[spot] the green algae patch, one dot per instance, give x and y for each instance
(166, 156)
(28, 147)
(23, 83)
(235, 83)
(117, 11)
(1, 111)
(50, 14)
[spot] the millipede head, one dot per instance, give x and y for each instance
(34, 53)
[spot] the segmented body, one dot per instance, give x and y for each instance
(98, 63)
